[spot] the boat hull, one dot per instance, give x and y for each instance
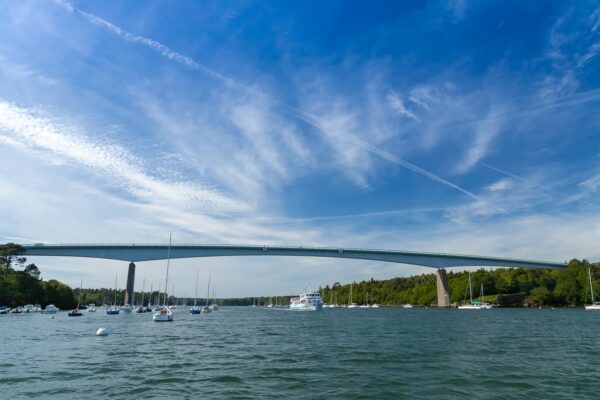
(306, 307)
(162, 318)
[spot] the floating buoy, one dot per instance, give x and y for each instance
(102, 332)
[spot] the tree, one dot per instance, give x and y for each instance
(32, 270)
(11, 255)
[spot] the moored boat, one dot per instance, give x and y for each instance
(310, 301)
(50, 309)
(595, 306)
(164, 315)
(76, 312)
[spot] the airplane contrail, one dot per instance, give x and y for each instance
(308, 118)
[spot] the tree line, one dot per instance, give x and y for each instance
(509, 287)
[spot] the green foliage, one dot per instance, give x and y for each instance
(510, 287)
(10, 256)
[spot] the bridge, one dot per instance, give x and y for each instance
(133, 253)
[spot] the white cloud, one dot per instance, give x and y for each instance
(500, 185)
(116, 165)
(485, 132)
(397, 105)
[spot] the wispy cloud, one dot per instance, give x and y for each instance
(397, 105)
(125, 170)
(315, 121)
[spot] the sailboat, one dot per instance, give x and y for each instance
(366, 305)
(164, 314)
(196, 309)
(113, 310)
(595, 306)
(474, 305)
(350, 303)
(207, 309)
(214, 306)
(76, 312)
(141, 309)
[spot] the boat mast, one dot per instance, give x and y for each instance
(158, 295)
(591, 288)
(143, 287)
(208, 291)
(79, 299)
(115, 303)
(167, 276)
(196, 294)
(151, 287)
(470, 288)
(350, 299)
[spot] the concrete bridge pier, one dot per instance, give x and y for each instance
(130, 282)
(443, 293)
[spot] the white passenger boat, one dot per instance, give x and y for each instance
(127, 308)
(50, 309)
(91, 307)
(29, 308)
(310, 301)
(595, 306)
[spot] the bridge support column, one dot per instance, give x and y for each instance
(443, 294)
(130, 283)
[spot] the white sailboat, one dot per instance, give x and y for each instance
(474, 305)
(350, 303)
(196, 309)
(164, 314)
(214, 306)
(206, 308)
(113, 310)
(595, 306)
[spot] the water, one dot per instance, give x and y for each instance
(244, 352)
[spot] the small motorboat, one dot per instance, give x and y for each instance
(91, 307)
(127, 308)
(195, 310)
(164, 315)
(141, 310)
(112, 310)
(4, 310)
(50, 309)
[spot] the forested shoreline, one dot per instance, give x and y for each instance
(21, 284)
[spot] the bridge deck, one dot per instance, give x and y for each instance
(148, 252)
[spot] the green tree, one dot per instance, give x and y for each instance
(11, 255)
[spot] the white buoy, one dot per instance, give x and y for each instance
(102, 332)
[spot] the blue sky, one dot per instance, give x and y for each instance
(449, 126)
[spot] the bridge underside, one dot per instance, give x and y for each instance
(136, 252)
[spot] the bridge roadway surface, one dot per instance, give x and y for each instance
(147, 252)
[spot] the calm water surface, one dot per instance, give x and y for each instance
(249, 352)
